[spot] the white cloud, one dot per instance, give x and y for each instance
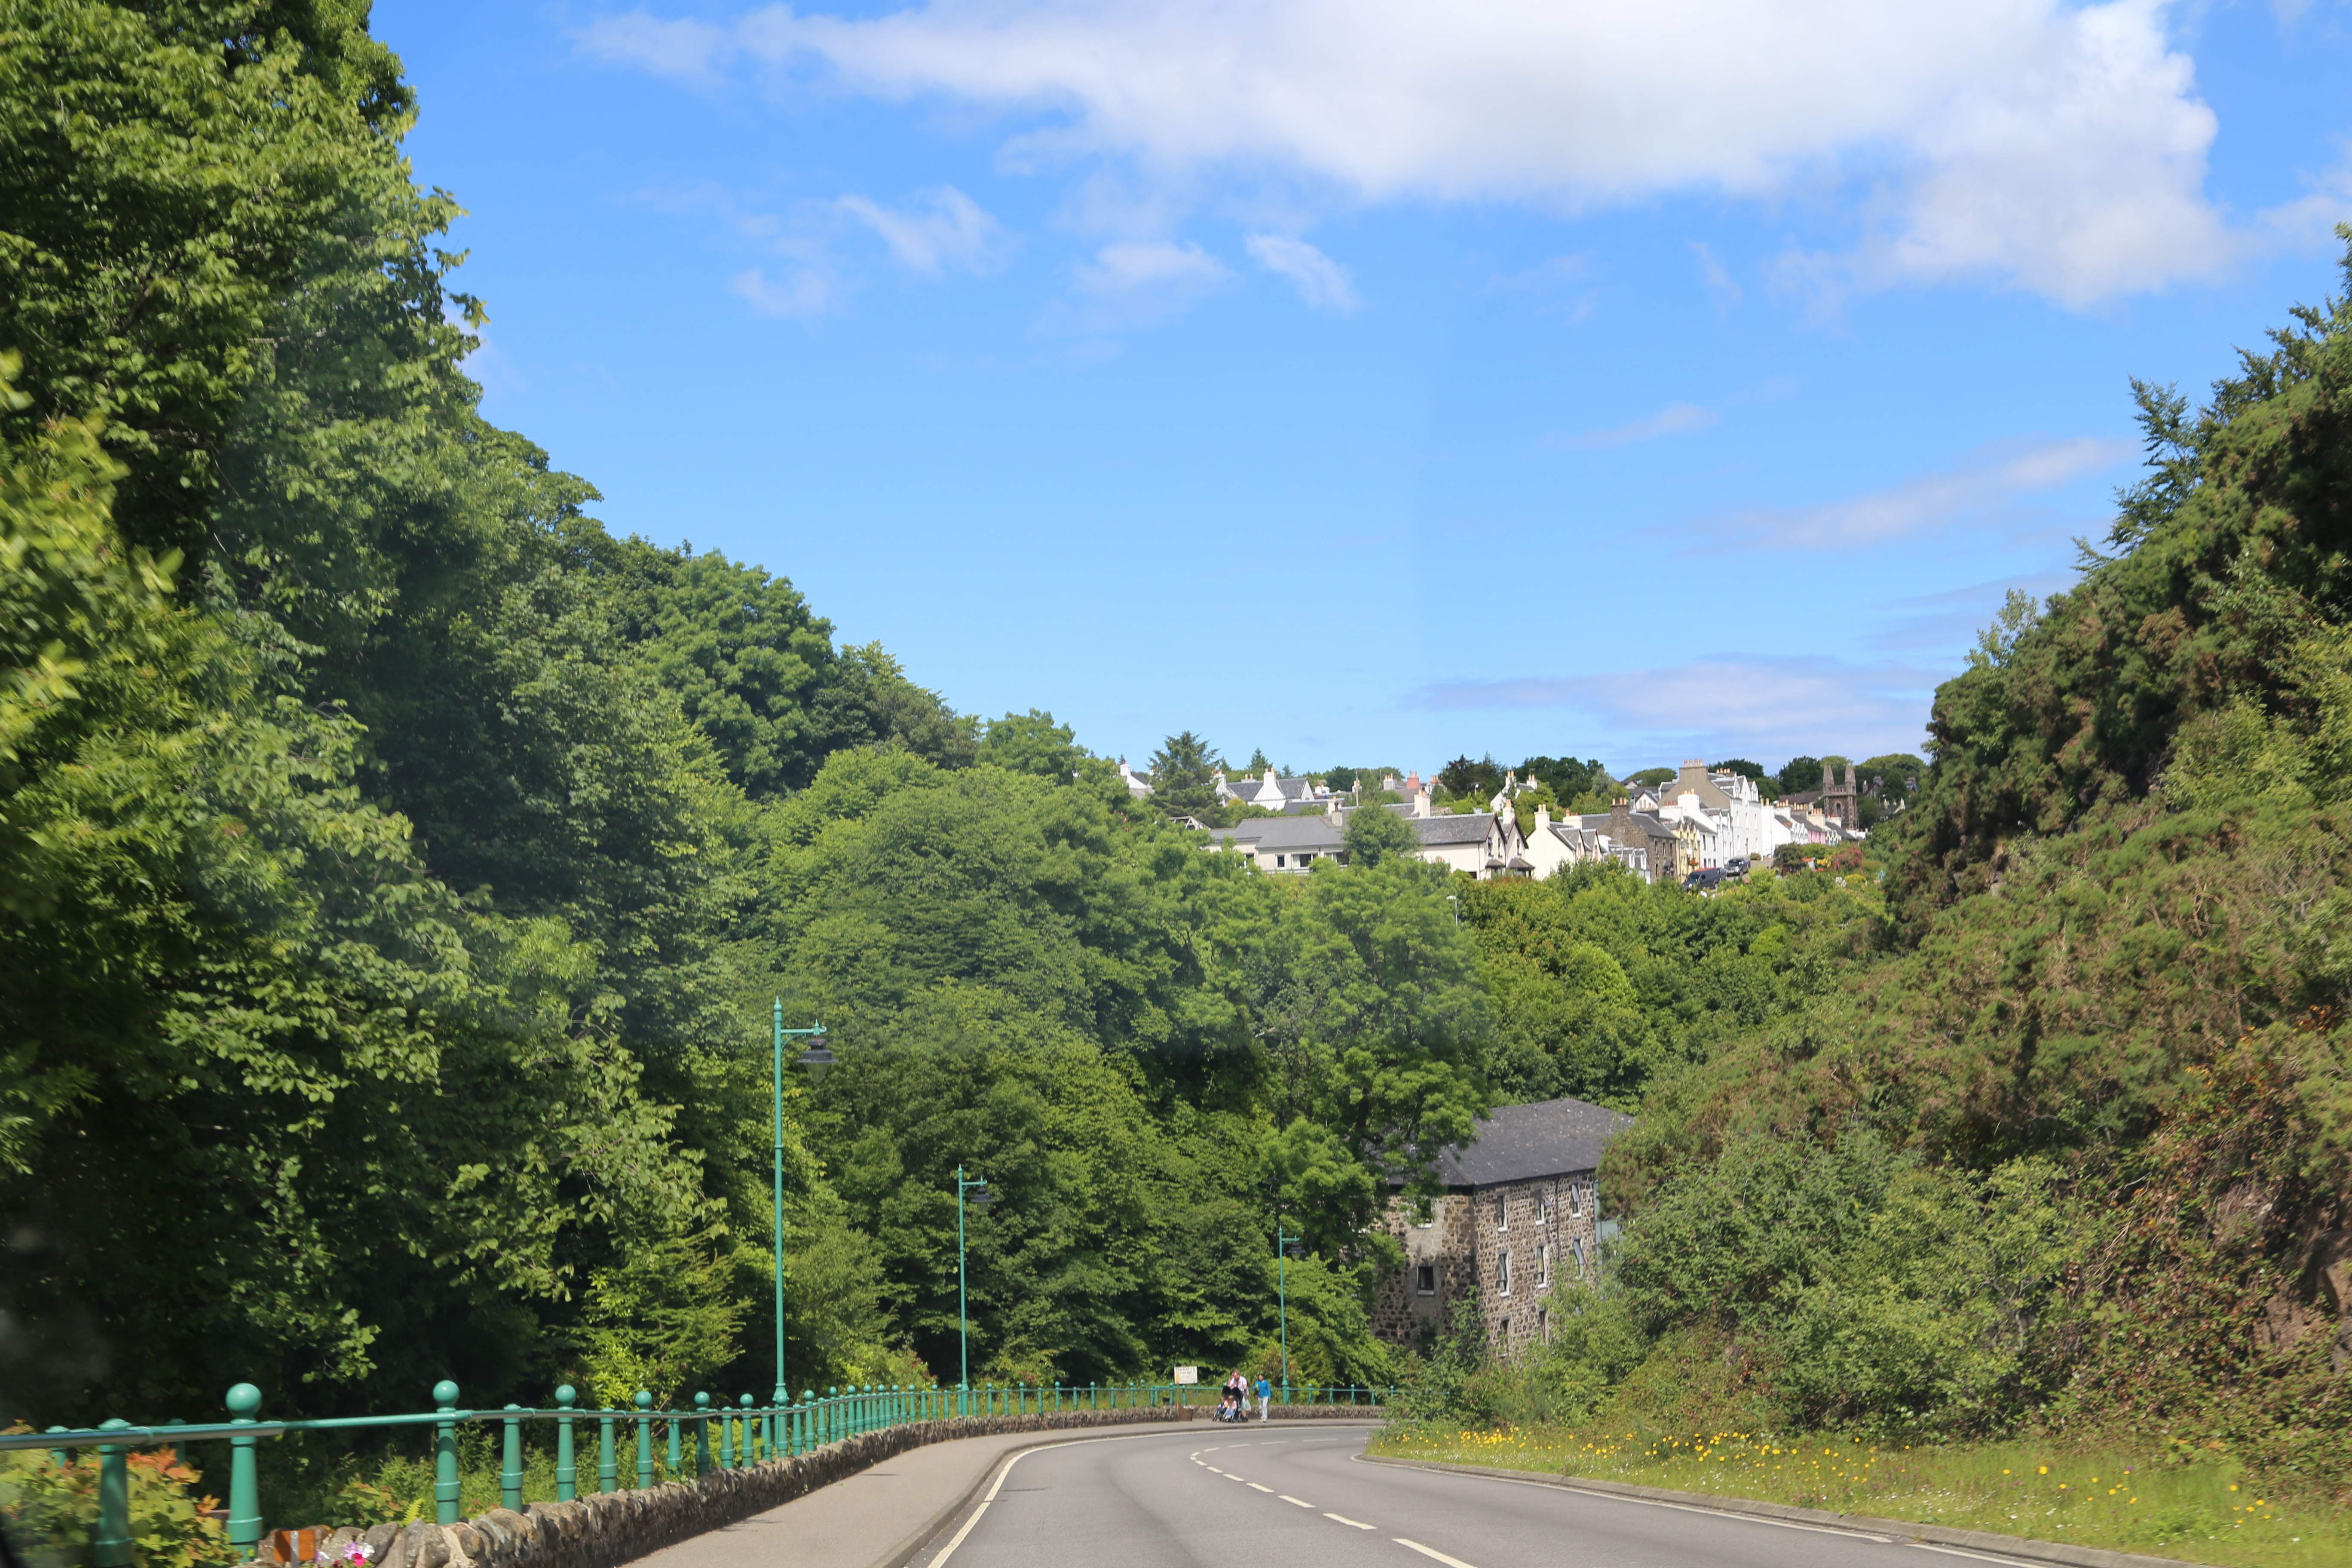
(1985, 484)
(2059, 147)
(1159, 266)
(1773, 704)
(1134, 264)
(1129, 283)
(1720, 285)
(1943, 622)
(2310, 221)
(946, 230)
(1674, 419)
(683, 50)
(805, 293)
(1321, 281)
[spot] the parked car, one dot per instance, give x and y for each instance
(1706, 880)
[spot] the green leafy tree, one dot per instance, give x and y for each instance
(1567, 778)
(1368, 1006)
(1799, 774)
(166, 173)
(1465, 780)
(746, 658)
(1032, 743)
(1376, 835)
(662, 1317)
(1744, 768)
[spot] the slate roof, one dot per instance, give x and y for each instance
(1527, 1143)
(1285, 832)
(1470, 830)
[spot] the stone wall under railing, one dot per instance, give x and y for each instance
(605, 1529)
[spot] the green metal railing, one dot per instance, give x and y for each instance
(745, 1434)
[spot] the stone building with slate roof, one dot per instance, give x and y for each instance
(1521, 1207)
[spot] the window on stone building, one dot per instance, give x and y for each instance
(1503, 1273)
(1424, 1278)
(1543, 1207)
(1543, 1265)
(1579, 1245)
(1543, 1322)
(1502, 1211)
(1575, 1201)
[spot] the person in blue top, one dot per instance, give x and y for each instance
(1264, 1395)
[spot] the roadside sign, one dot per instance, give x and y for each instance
(1188, 1374)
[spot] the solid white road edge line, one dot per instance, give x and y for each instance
(1956, 1552)
(1430, 1552)
(1018, 1455)
(959, 1534)
(1353, 1524)
(1684, 1507)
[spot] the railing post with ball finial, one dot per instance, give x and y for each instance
(644, 1440)
(244, 1480)
(444, 1453)
(567, 1472)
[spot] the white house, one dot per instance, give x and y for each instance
(1486, 845)
(1272, 793)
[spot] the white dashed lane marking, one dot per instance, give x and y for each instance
(1430, 1552)
(1298, 1503)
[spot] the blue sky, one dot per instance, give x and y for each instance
(1371, 380)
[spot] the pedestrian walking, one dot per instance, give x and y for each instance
(1265, 1397)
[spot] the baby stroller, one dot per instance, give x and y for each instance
(1229, 1406)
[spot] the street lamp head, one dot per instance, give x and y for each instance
(979, 1197)
(818, 1061)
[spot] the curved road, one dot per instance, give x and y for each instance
(1299, 1498)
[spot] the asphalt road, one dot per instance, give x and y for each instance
(1300, 1499)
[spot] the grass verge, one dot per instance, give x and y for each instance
(2203, 1511)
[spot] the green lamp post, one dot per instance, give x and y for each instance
(1282, 1285)
(818, 1061)
(981, 1198)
